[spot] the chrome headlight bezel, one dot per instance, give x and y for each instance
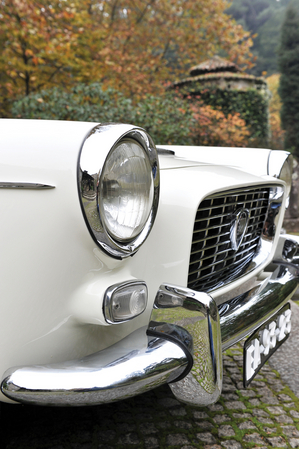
(96, 149)
(280, 166)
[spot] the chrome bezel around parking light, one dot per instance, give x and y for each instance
(118, 301)
(96, 149)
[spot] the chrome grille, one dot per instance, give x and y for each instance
(213, 261)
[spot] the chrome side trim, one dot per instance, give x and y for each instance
(24, 185)
(244, 314)
(179, 308)
(134, 365)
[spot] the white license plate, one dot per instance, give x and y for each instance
(264, 342)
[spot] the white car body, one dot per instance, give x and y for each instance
(54, 276)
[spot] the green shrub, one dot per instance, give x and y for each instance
(167, 118)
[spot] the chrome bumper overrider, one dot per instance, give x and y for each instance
(182, 346)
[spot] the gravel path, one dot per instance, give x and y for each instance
(266, 415)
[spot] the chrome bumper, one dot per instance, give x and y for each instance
(182, 346)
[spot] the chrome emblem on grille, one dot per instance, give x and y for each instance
(238, 227)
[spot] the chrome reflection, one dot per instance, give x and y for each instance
(130, 367)
(242, 315)
(179, 308)
(101, 140)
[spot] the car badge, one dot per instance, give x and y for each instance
(238, 227)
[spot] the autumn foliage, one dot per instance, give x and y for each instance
(213, 128)
(135, 46)
(277, 133)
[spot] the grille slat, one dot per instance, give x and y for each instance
(213, 261)
(234, 204)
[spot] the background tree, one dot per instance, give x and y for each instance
(135, 46)
(263, 18)
(289, 79)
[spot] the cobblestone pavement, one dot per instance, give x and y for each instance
(266, 415)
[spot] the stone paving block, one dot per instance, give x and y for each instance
(164, 424)
(246, 425)
(183, 424)
(276, 410)
(253, 438)
(248, 393)
(294, 413)
(200, 415)
(265, 420)
(211, 446)
(206, 425)
(228, 388)
(255, 402)
(151, 443)
(219, 419)
(284, 398)
(257, 384)
(216, 408)
(294, 442)
(148, 428)
(290, 431)
(206, 437)
(177, 439)
(226, 431)
(178, 411)
(129, 438)
(259, 412)
(277, 442)
(284, 419)
(289, 405)
(231, 444)
(237, 405)
(277, 387)
(241, 415)
(230, 397)
(271, 400)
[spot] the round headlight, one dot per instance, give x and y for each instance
(126, 190)
(118, 178)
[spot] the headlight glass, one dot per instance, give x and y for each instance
(126, 190)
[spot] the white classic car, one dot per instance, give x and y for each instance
(125, 267)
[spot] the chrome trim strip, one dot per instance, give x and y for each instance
(176, 308)
(242, 315)
(134, 365)
(24, 185)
